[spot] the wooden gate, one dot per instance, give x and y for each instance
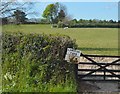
(103, 71)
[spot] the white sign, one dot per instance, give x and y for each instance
(72, 55)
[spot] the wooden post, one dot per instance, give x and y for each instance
(104, 73)
(76, 75)
(76, 71)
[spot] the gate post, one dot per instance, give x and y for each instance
(76, 75)
(76, 71)
(104, 73)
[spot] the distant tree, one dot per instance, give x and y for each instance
(20, 17)
(73, 22)
(111, 21)
(104, 21)
(100, 21)
(4, 21)
(67, 20)
(83, 21)
(90, 21)
(80, 21)
(94, 21)
(54, 12)
(61, 15)
(49, 12)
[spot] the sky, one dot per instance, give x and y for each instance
(83, 10)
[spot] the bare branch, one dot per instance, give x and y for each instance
(8, 7)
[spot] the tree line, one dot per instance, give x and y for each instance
(83, 23)
(91, 23)
(56, 15)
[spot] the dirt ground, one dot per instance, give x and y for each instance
(86, 86)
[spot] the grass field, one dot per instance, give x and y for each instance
(89, 40)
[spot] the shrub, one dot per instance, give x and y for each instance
(35, 63)
(54, 25)
(60, 24)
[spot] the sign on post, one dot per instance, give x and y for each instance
(72, 55)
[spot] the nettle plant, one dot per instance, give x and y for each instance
(35, 62)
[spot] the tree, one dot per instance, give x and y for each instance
(75, 21)
(7, 9)
(81, 21)
(61, 15)
(49, 12)
(20, 17)
(54, 12)
(111, 21)
(3, 21)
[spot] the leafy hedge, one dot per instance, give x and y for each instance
(35, 63)
(93, 25)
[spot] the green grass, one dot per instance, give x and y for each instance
(89, 40)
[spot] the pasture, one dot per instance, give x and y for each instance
(89, 40)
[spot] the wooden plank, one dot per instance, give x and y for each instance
(98, 70)
(97, 75)
(100, 56)
(110, 80)
(105, 74)
(94, 62)
(114, 74)
(90, 63)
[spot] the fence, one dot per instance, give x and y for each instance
(103, 71)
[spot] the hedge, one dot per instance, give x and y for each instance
(35, 63)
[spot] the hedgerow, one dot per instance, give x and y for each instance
(35, 63)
